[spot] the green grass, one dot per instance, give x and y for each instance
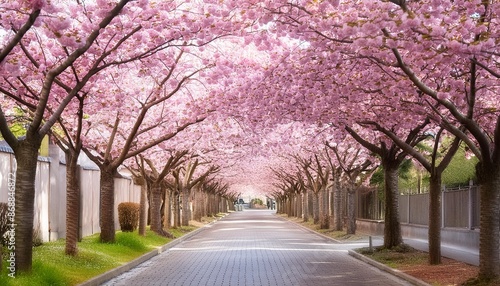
(403, 255)
(52, 267)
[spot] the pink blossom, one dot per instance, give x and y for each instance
(37, 4)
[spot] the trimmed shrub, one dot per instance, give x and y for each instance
(128, 216)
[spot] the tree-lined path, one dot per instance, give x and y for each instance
(255, 247)
(289, 100)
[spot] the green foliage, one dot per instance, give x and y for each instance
(458, 173)
(131, 241)
(377, 178)
(128, 216)
(17, 122)
(461, 170)
(405, 170)
(405, 175)
(257, 202)
(399, 256)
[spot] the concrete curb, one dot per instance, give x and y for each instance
(388, 269)
(106, 276)
(315, 232)
(395, 272)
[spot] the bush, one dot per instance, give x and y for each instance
(128, 216)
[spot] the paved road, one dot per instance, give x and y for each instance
(255, 247)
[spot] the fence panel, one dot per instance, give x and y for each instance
(50, 194)
(6, 171)
(419, 209)
(368, 205)
(456, 208)
(460, 208)
(89, 219)
(124, 192)
(41, 202)
(476, 203)
(404, 208)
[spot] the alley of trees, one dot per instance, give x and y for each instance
(282, 98)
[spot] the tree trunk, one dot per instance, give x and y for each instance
(225, 205)
(26, 157)
(208, 203)
(310, 204)
(216, 204)
(315, 207)
(197, 206)
(337, 207)
(289, 205)
(155, 207)
(489, 257)
(324, 214)
(202, 206)
(215, 210)
(177, 209)
(72, 202)
(107, 206)
(435, 220)
(186, 208)
(167, 210)
(299, 205)
(143, 208)
(305, 206)
(351, 210)
(392, 226)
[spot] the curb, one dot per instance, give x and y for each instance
(106, 276)
(395, 272)
(388, 269)
(312, 231)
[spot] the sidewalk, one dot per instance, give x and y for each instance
(256, 247)
(459, 253)
(469, 256)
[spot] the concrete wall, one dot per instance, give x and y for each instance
(466, 238)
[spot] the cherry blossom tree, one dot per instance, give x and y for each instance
(435, 165)
(378, 31)
(445, 64)
(355, 170)
(157, 186)
(140, 177)
(381, 72)
(72, 147)
(317, 179)
(209, 202)
(36, 71)
(185, 179)
(291, 187)
(131, 135)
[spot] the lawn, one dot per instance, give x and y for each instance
(52, 267)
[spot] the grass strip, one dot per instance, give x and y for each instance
(52, 267)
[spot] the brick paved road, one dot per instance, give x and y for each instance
(255, 248)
